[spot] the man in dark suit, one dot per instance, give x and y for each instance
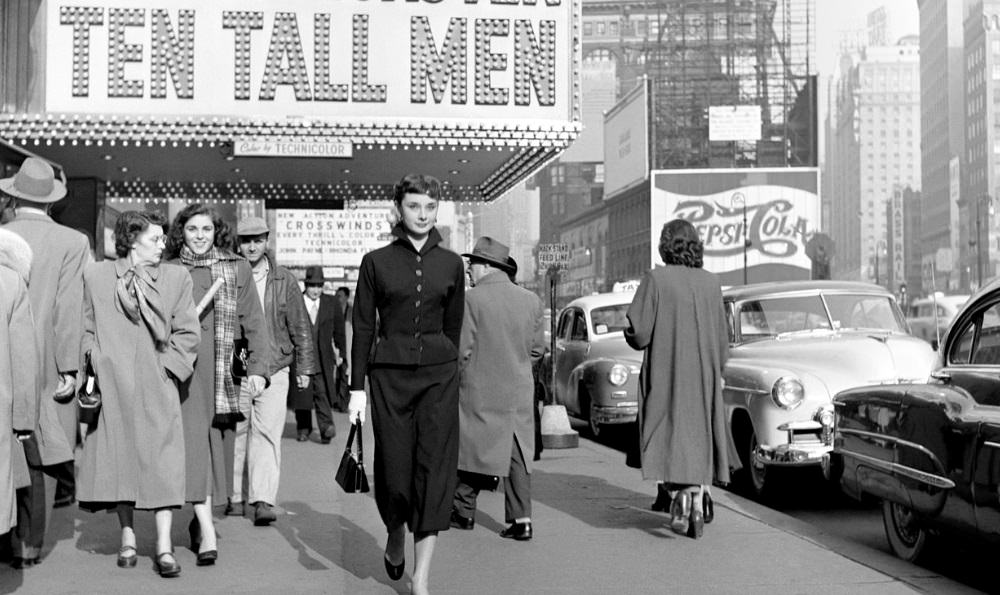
(328, 336)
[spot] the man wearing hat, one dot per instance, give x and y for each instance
(258, 438)
(327, 321)
(502, 335)
(55, 288)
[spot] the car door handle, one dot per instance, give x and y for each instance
(942, 376)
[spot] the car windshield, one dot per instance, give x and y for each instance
(609, 319)
(772, 316)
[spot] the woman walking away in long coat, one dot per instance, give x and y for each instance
(18, 400)
(677, 318)
(203, 243)
(140, 336)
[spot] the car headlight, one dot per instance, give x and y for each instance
(787, 392)
(618, 375)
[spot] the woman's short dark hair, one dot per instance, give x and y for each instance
(224, 236)
(417, 184)
(132, 223)
(680, 244)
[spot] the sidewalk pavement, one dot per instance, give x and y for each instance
(594, 533)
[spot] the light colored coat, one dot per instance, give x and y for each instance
(501, 335)
(56, 290)
(136, 452)
(677, 317)
(18, 399)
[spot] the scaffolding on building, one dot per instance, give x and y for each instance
(702, 53)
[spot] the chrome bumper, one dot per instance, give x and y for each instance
(621, 413)
(803, 447)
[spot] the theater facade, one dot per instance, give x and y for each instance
(311, 104)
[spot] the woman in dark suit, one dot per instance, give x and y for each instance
(201, 241)
(416, 288)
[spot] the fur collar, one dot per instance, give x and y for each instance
(15, 253)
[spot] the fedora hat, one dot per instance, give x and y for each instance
(35, 181)
(314, 276)
(490, 251)
(251, 226)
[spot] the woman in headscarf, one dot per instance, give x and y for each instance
(677, 318)
(139, 340)
(201, 241)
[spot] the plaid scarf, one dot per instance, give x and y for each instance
(140, 301)
(223, 266)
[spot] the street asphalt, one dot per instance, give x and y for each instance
(593, 533)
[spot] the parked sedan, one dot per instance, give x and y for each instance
(929, 317)
(793, 346)
(931, 451)
(596, 372)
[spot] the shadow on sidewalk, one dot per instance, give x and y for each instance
(321, 539)
(598, 503)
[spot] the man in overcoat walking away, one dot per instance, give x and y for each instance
(502, 335)
(327, 319)
(55, 288)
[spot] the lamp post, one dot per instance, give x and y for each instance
(984, 199)
(739, 199)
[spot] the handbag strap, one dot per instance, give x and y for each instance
(350, 438)
(361, 448)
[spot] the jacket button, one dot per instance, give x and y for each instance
(416, 304)
(420, 273)
(419, 287)
(419, 259)
(416, 335)
(416, 319)
(204, 327)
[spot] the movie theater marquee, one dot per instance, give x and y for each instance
(462, 59)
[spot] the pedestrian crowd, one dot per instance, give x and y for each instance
(162, 377)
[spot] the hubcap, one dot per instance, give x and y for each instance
(907, 531)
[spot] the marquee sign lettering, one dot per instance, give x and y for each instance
(169, 57)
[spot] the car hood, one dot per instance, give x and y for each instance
(846, 358)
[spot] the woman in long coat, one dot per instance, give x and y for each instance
(140, 335)
(677, 318)
(203, 242)
(18, 400)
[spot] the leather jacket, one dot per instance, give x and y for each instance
(288, 322)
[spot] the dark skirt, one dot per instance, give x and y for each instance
(415, 421)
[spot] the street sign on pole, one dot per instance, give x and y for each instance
(553, 256)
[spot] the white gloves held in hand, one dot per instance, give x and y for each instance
(356, 408)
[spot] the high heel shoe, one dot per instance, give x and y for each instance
(680, 509)
(663, 499)
(696, 524)
(709, 508)
(395, 571)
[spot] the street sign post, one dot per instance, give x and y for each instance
(556, 431)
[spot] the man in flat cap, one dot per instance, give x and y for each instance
(502, 335)
(327, 323)
(258, 439)
(55, 289)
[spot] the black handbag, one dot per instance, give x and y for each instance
(241, 352)
(88, 398)
(351, 473)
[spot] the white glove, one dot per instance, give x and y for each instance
(356, 408)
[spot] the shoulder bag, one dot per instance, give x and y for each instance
(351, 473)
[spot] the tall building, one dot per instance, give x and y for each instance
(942, 115)
(875, 146)
(982, 143)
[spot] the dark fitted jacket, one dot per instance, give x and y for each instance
(419, 299)
(287, 322)
(327, 332)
